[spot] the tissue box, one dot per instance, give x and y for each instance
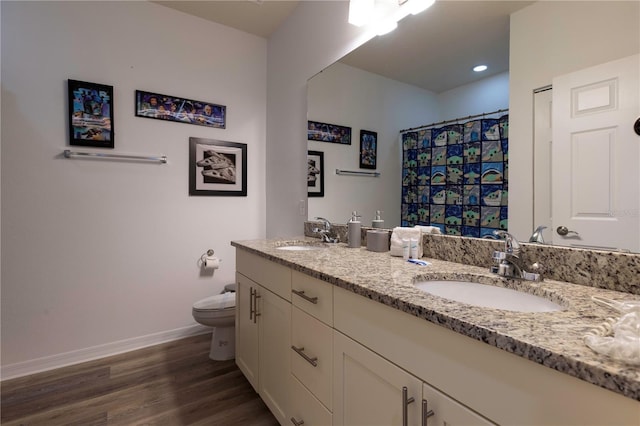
(378, 240)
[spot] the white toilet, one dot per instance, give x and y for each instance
(219, 311)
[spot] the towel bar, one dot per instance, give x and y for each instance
(160, 158)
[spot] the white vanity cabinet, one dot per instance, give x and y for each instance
(263, 327)
(479, 379)
(319, 355)
(369, 390)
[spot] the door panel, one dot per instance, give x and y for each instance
(595, 173)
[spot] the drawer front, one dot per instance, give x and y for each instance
(312, 355)
(272, 276)
(313, 296)
(305, 407)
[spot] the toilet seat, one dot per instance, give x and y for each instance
(219, 302)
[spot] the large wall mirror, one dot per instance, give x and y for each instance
(527, 45)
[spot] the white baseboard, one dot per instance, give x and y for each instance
(38, 365)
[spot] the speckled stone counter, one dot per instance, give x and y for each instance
(553, 339)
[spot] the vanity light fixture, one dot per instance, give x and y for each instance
(417, 6)
(384, 15)
(479, 68)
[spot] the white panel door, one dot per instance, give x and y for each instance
(595, 170)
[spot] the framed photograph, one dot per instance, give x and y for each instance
(315, 174)
(90, 114)
(324, 132)
(368, 149)
(180, 110)
(217, 167)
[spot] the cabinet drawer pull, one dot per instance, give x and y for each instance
(297, 423)
(405, 405)
(255, 305)
(426, 413)
(300, 351)
(300, 293)
(250, 303)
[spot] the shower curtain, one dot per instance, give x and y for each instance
(455, 177)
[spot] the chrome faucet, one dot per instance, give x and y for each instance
(536, 237)
(508, 262)
(327, 234)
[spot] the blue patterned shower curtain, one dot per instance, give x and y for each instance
(455, 177)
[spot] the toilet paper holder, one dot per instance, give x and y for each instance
(208, 255)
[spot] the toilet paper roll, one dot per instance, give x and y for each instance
(211, 263)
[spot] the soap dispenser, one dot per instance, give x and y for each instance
(378, 222)
(353, 229)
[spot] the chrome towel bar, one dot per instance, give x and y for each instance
(357, 173)
(160, 158)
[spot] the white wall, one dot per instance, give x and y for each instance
(486, 95)
(99, 256)
(316, 35)
(550, 39)
(349, 96)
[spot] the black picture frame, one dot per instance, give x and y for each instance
(217, 168)
(315, 174)
(368, 149)
(180, 110)
(90, 114)
(324, 132)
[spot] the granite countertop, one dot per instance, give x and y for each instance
(553, 339)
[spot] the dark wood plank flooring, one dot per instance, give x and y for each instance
(170, 384)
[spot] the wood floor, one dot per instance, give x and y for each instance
(170, 384)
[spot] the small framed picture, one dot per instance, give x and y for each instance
(180, 110)
(324, 132)
(217, 167)
(315, 174)
(368, 149)
(90, 114)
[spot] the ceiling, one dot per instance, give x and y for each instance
(434, 50)
(258, 17)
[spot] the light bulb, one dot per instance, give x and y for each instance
(385, 26)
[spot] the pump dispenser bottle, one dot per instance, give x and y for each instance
(377, 222)
(353, 229)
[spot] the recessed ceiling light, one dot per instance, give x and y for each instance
(479, 68)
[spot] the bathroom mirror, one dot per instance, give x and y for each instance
(351, 93)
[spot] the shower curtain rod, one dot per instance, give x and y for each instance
(455, 120)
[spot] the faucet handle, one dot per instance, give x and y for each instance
(511, 244)
(499, 256)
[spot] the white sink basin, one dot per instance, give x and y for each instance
(300, 248)
(488, 296)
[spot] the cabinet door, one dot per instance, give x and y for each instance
(274, 320)
(368, 388)
(247, 351)
(447, 411)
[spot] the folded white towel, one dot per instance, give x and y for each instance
(429, 229)
(399, 233)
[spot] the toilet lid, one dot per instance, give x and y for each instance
(217, 302)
